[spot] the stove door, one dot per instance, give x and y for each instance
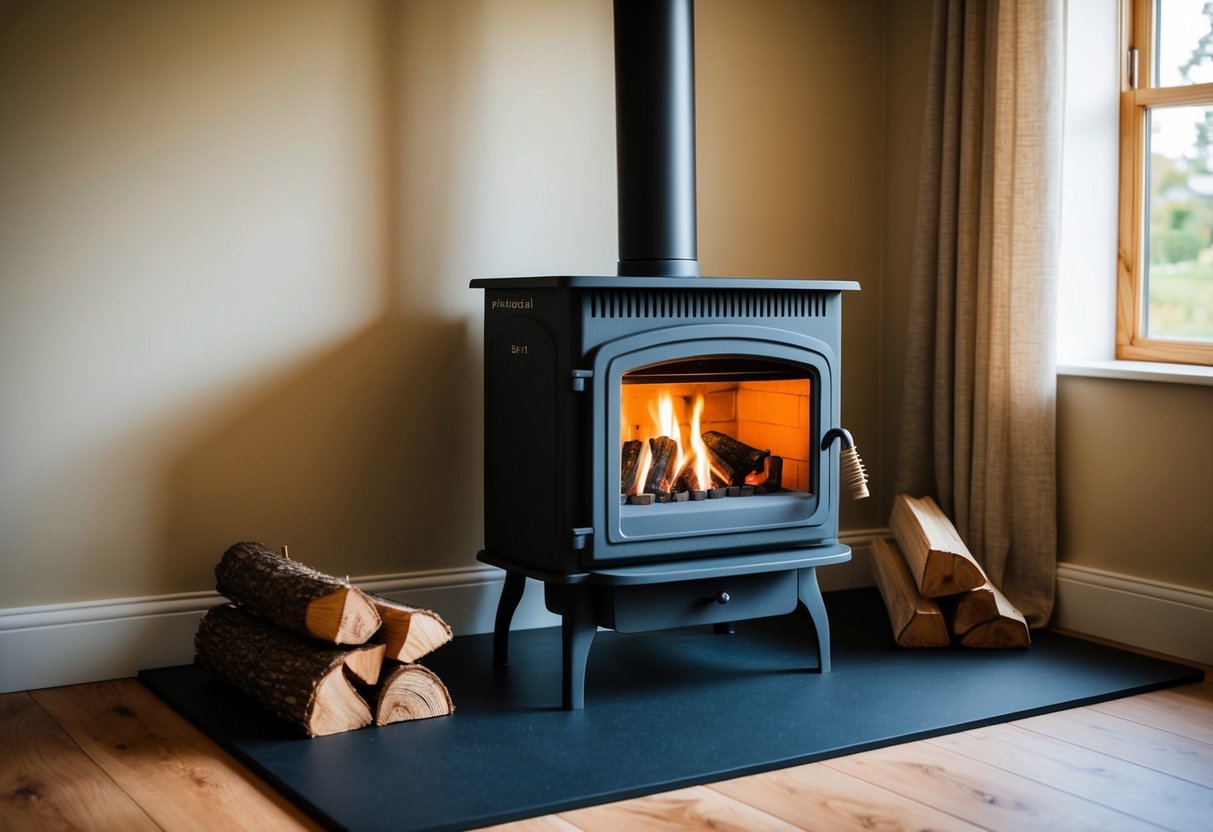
(772, 391)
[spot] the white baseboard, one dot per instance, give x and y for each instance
(1149, 614)
(68, 644)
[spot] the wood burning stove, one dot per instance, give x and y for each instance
(584, 374)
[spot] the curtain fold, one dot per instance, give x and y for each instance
(978, 411)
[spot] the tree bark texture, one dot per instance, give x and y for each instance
(294, 596)
(300, 679)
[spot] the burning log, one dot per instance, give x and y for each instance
(301, 680)
(408, 632)
(723, 473)
(630, 466)
(937, 557)
(916, 621)
(740, 456)
(410, 692)
(664, 451)
(295, 597)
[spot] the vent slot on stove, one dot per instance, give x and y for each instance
(706, 303)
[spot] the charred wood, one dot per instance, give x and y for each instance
(743, 458)
(664, 451)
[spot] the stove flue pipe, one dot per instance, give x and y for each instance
(655, 137)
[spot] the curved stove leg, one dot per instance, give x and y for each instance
(810, 596)
(511, 594)
(577, 635)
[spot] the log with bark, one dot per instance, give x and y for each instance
(409, 692)
(722, 471)
(294, 596)
(302, 680)
(983, 617)
(629, 468)
(916, 621)
(740, 456)
(664, 451)
(408, 632)
(938, 559)
(774, 480)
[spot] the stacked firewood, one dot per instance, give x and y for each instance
(312, 648)
(934, 589)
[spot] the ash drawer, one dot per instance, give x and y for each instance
(636, 609)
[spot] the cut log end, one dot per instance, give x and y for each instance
(409, 632)
(411, 692)
(344, 616)
(337, 707)
(999, 633)
(365, 663)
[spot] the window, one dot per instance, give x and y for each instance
(1165, 280)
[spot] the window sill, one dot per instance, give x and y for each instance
(1140, 371)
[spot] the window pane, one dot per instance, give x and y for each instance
(1184, 47)
(1179, 272)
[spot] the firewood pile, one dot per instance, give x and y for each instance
(318, 652)
(936, 593)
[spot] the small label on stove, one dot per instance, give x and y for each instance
(512, 304)
(518, 349)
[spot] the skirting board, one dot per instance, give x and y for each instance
(68, 644)
(1170, 619)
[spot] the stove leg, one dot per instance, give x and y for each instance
(810, 596)
(577, 634)
(511, 594)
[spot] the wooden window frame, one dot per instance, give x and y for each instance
(1132, 343)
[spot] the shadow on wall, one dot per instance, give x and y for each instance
(356, 459)
(366, 459)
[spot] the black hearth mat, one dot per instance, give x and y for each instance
(663, 710)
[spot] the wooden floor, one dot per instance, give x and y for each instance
(111, 756)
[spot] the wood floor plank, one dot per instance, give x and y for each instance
(1189, 713)
(696, 807)
(1129, 740)
(545, 823)
(978, 792)
(47, 782)
(172, 770)
(1127, 787)
(818, 797)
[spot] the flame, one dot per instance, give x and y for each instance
(703, 472)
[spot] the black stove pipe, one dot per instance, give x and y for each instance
(655, 137)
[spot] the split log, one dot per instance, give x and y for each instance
(295, 597)
(302, 680)
(916, 621)
(983, 617)
(409, 632)
(410, 692)
(664, 452)
(743, 458)
(629, 467)
(938, 559)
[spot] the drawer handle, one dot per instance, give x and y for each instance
(722, 597)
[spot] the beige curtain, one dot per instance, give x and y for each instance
(978, 406)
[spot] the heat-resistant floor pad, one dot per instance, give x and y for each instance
(663, 710)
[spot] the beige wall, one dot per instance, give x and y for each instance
(235, 240)
(1135, 478)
